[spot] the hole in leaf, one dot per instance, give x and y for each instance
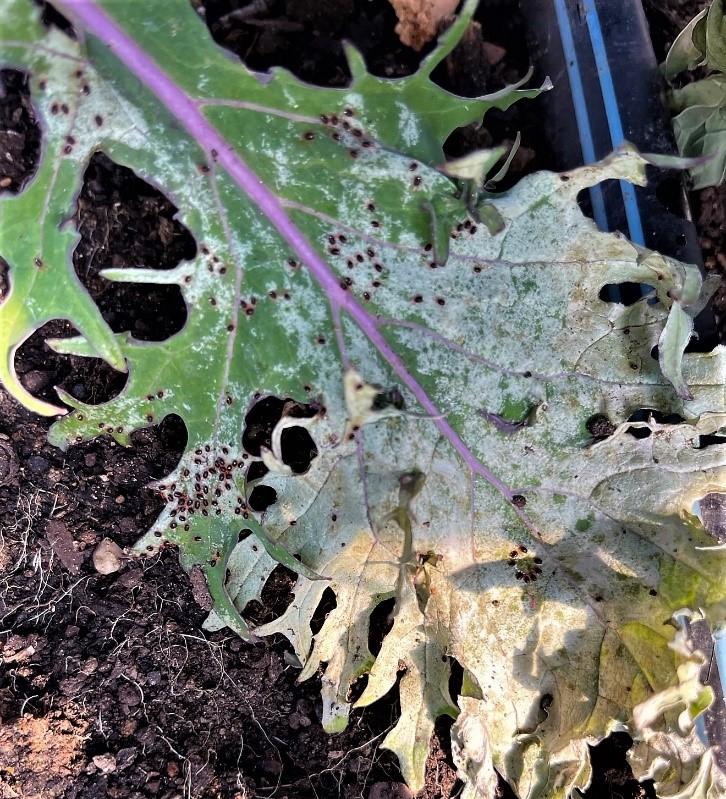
(327, 604)
(599, 426)
(298, 449)
(256, 470)
(609, 190)
(456, 678)
(276, 596)
(356, 688)
(51, 17)
(125, 222)
(710, 441)
(261, 498)
(706, 335)
(644, 414)
(611, 772)
(545, 704)
(261, 419)
(4, 279)
(277, 593)
(297, 445)
(165, 443)
(713, 514)
(380, 624)
(19, 132)
(40, 369)
(624, 293)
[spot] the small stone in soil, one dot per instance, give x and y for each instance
(389, 790)
(37, 464)
(126, 756)
(128, 695)
(297, 720)
(106, 763)
(35, 380)
(107, 557)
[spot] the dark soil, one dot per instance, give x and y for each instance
(109, 687)
(18, 133)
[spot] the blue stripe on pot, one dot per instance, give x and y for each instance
(612, 112)
(580, 104)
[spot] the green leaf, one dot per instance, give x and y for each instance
(544, 563)
(688, 51)
(716, 36)
(671, 345)
(701, 133)
(700, 125)
(710, 91)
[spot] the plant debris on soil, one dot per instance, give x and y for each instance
(108, 685)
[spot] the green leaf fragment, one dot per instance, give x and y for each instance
(502, 171)
(688, 51)
(716, 36)
(671, 345)
(475, 166)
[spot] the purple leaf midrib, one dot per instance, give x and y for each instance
(187, 112)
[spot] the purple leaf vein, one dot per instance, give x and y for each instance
(187, 112)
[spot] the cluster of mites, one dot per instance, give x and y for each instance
(215, 266)
(335, 123)
(62, 108)
(343, 126)
(335, 245)
(467, 226)
(340, 126)
(528, 569)
(211, 480)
